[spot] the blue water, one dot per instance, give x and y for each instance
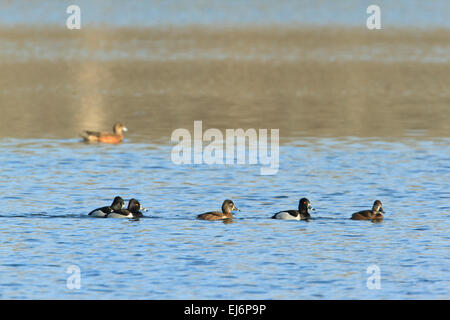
(400, 13)
(47, 187)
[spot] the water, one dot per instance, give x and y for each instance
(49, 186)
(362, 115)
(401, 13)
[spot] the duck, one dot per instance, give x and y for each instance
(227, 207)
(102, 212)
(304, 206)
(105, 137)
(133, 211)
(375, 214)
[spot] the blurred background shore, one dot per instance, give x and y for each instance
(320, 81)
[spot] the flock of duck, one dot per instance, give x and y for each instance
(134, 209)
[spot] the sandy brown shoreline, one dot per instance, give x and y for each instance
(306, 82)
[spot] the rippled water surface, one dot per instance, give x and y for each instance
(49, 186)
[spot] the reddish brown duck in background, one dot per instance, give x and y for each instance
(105, 137)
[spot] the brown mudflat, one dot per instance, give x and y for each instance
(306, 82)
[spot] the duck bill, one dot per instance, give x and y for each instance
(310, 209)
(236, 209)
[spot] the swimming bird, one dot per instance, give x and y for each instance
(227, 207)
(117, 204)
(105, 137)
(304, 206)
(133, 211)
(375, 214)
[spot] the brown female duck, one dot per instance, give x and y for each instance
(105, 137)
(375, 214)
(227, 207)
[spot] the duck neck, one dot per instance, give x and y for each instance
(116, 206)
(303, 211)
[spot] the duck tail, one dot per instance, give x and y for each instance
(88, 136)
